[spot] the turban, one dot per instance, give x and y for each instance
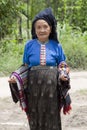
(48, 16)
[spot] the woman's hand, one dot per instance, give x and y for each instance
(63, 71)
(12, 80)
(63, 78)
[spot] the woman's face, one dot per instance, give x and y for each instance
(42, 30)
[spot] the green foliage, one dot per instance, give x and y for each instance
(9, 12)
(10, 56)
(75, 46)
(73, 12)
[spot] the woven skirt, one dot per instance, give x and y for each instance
(43, 102)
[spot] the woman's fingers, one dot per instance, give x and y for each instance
(62, 77)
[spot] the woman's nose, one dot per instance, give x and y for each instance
(42, 30)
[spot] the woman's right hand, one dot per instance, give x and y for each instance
(12, 79)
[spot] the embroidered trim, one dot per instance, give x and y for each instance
(43, 55)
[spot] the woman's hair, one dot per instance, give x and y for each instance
(48, 16)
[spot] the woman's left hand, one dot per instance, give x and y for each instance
(63, 78)
(63, 72)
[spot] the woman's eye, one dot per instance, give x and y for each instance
(45, 26)
(38, 27)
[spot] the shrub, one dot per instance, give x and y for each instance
(75, 46)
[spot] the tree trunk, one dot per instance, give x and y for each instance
(20, 30)
(28, 36)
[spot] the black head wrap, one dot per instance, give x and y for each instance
(48, 16)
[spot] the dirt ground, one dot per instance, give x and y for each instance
(13, 118)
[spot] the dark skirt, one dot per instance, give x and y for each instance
(43, 101)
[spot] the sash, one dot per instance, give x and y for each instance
(18, 88)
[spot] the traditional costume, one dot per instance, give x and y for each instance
(45, 93)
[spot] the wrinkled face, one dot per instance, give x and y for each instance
(42, 30)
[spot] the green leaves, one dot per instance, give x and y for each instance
(74, 43)
(66, 11)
